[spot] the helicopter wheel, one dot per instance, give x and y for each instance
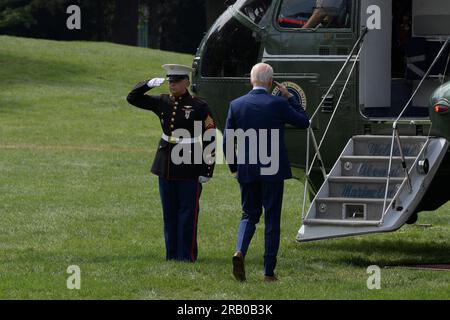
(413, 218)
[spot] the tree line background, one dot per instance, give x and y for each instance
(173, 25)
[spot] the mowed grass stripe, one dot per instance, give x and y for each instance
(75, 148)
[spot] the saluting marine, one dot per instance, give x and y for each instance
(185, 157)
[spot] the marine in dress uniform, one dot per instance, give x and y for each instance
(255, 111)
(180, 184)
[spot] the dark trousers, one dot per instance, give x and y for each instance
(255, 197)
(180, 204)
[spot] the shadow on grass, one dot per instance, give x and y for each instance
(385, 252)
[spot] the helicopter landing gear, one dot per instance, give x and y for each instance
(413, 218)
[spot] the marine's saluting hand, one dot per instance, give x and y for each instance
(155, 82)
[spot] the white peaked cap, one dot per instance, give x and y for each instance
(177, 70)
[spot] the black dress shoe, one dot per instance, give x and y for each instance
(238, 266)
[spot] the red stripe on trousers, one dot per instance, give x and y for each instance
(194, 236)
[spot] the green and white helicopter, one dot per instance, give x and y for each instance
(373, 76)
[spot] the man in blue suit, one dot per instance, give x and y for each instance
(259, 112)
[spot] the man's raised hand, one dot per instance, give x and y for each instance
(284, 91)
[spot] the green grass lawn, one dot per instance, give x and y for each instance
(75, 189)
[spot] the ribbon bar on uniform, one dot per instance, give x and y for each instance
(174, 140)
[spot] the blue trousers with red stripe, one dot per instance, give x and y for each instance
(180, 204)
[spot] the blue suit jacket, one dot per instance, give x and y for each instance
(261, 110)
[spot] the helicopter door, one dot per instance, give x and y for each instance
(375, 66)
(307, 47)
(396, 57)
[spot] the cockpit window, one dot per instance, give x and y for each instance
(314, 14)
(231, 50)
(255, 10)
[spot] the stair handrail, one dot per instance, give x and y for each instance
(318, 146)
(310, 132)
(444, 46)
(337, 105)
(396, 136)
(349, 57)
(399, 190)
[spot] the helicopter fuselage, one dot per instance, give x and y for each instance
(400, 45)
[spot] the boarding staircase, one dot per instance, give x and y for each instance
(378, 182)
(353, 200)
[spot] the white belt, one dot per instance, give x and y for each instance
(174, 140)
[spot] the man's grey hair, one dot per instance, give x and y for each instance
(261, 73)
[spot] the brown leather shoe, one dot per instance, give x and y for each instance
(273, 278)
(238, 266)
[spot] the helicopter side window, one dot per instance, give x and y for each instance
(231, 51)
(313, 14)
(255, 10)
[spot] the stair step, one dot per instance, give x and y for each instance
(367, 180)
(351, 209)
(354, 200)
(381, 145)
(351, 200)
(362, 187)
(389, 137)
(331, 222)
(369, 166)
(375, 159)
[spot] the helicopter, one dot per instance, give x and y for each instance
(373, 77)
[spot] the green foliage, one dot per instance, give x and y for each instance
(75, 189)
(172, 25)
(15, 15)
(37, 18)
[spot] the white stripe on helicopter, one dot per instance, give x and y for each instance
(295, 57)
